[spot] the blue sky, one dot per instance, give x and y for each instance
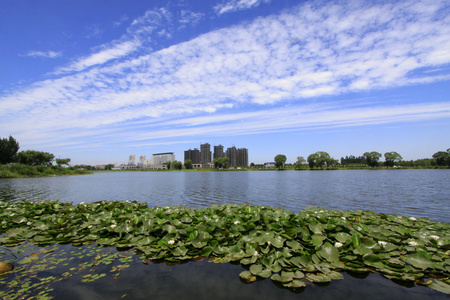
(96, 81)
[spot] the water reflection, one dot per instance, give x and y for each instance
(422, 193)
(194, 280)
(203, 280)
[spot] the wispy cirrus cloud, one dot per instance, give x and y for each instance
(46, 54)
(290, 58)
(235, 5)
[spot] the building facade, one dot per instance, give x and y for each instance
(202, 158)
(218, 152)
(162, 158)
(193, 155)
(205, 155)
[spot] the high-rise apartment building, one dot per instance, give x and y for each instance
(202, 158)
(218, 152)
(205, 155)
(242, 157)
(193, 155)
(231, 154)
(142, 161)
(132, 160)
(237, 157)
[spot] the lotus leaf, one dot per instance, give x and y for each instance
(295, 284)
(419, 260)
(248, 276)
(294, 245)
(284, 277)
(329, 253)
(440, 286)
(317, 239)
(335, 275)
(343, 237)
(372, 260)
(318, 277)
(268, 240)
(316, 228)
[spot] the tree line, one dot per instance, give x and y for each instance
(9, 148)
(323, 160)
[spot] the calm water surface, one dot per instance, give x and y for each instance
(423, 193)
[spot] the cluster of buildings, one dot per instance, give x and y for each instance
(157, 161)
(202, 158)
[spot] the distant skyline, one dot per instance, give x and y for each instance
(96, 81)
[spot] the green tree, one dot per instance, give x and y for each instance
(391, 158)
(299, 163)
(188, 164)
(320, 159)
(177, 165)
(224, 162)
(442, 158)
(280, 159)
(221, 162)
(33, 158)
(62, 161)
(109, 166)
(372, 158)
(168, 164)
(8, 150)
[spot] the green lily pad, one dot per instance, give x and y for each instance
(329, 253)
(343, 237)
(295, 284)
(248, 276)
(419, 260)
(318, 277)
(372, 260)
(440, 286)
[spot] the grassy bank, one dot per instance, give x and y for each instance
(18, 171)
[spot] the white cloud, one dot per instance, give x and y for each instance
(115, 51)
(122, 20)
(307, 52)
(235, 5)
(47, 54)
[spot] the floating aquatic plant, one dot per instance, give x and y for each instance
(313, 245)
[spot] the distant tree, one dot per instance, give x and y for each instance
(221, 162)
(216, 163)
(320, 159)
(353, 160)
(109, 166)
(299, 163)
(83, 167)
(62, 161)
(224, 162)
(372, 158)
(8, 150)
(177, 165)
(168, 164)
(33, 158)
(252, 164)
(442, 158)
(391, 158)
(188, 164)
(280, 159)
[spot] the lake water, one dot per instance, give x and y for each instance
(419, 193)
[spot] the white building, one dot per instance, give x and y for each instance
(142, 161)
(162, 158)
(132, 160)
